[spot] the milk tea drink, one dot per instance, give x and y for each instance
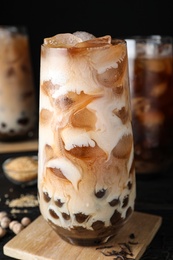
(151, 78)
(86, 178)
(18, 111)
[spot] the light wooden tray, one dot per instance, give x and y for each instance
(39, 241)
(23, 146)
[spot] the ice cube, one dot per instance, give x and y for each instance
(62, 40)
(84, 36)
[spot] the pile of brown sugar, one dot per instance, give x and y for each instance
(22, 169)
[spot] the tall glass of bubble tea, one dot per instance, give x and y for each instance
(86, 176)
(18, 104)
(151, 85)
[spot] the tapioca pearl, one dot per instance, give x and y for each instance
(25, 221)
(46, 196)
(59, 203)
(3, 214)
(53, 214)
(98, 225)
(17, 228)
(10, 72)
(11, 131)
(65, 216)
(129, 212)
(115, 218)
(24, 68)
(27, 94)
(129, 185)
(81, 217)
(5, 221)
(3, 232)
(3, 125)
(125, 201)
(114, 202)
(12, 223)
(100, 194)
(23, 121)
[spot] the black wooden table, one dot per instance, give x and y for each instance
(154, 196)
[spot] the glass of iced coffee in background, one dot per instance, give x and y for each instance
(86, 177)
(18, 105)
(151, 85)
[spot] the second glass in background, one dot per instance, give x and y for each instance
(151, 86)
(18, 106)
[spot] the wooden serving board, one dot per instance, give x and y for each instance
(38, 241)
(23, 146)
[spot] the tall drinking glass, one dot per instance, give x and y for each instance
(151, 84)
(18, 104)
(86, 178)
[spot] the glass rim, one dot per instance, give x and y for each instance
(153, 38)
(114, 42)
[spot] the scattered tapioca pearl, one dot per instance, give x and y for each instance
(12, 223)
(3, 214)
(25, 221)
(2, 232)
(17, 227)
(5, 221)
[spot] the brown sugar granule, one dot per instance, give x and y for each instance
(21, 169)
(24, 201)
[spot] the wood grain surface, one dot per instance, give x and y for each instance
(23, 146)
(39, 241)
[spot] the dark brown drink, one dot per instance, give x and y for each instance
(151, 84)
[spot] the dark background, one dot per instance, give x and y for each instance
(117, 18)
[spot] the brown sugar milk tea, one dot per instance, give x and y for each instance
(86, 178)
(18, 108)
